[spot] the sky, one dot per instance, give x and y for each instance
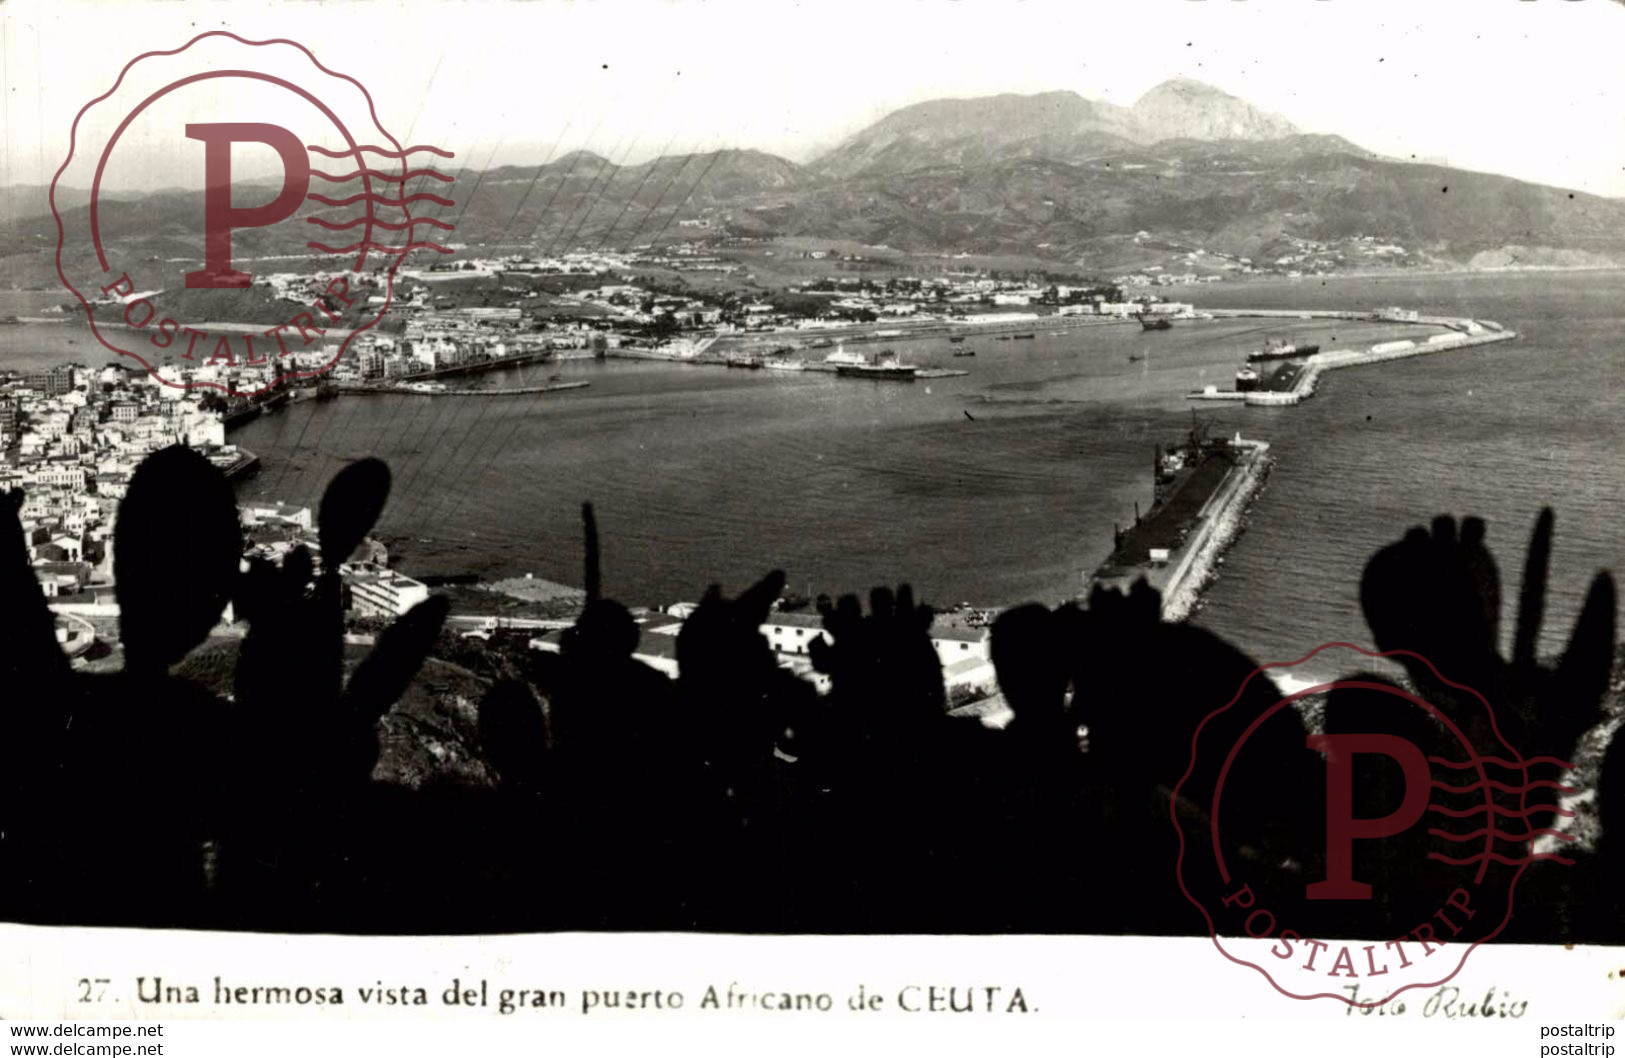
(1530, 88)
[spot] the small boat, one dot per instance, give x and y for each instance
(785, 365)
(1019, 337)
(956, 339)
(750, 363)
(965, 352)
(1135, 358)
(1154, 323)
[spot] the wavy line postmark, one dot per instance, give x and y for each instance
(243, 286)
(1405, 859)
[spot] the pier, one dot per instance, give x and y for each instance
(1461, 334)
(1221, 521)
(494, 391)
(1182, 572)
(1191, 565)
(474, 367)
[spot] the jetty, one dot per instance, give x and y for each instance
(492, 391)
(1176, 548)
(1203, 491)
(1460, 334)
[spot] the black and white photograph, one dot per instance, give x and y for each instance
(1138, 476)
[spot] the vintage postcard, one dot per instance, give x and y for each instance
(1008, 524)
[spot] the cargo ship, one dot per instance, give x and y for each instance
(885, 366)
(1154, 323)
(1278, 350)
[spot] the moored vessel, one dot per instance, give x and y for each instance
(884, 366)
(1275, 349)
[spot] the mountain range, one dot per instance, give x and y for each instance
(1052, 174)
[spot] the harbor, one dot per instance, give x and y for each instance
(1202, 489)
(926, 443)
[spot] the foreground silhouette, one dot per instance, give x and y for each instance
(735, 797)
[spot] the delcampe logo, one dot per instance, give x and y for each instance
(1410, 825)
(291, 250)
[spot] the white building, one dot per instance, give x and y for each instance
(275, 514)
(384, 593)
(792, 633)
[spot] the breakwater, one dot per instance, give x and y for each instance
(1194, 564)
(1221, 522)
(1459, 334)
(492, 391)
(1304, 386)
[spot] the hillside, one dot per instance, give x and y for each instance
(1052, 174)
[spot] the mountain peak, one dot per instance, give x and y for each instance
(578, 157)
(1184, 87)
(1185, 109)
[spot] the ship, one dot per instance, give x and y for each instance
(1246, 380)
(841, 357)
(885, 366)
(1279, 350)
(1018, 337)
(956, 339)
(745, 361)
(785, 365)
(964, 352)
(10, 319)
(1154, 323)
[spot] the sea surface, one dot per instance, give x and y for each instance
(1004, 485)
